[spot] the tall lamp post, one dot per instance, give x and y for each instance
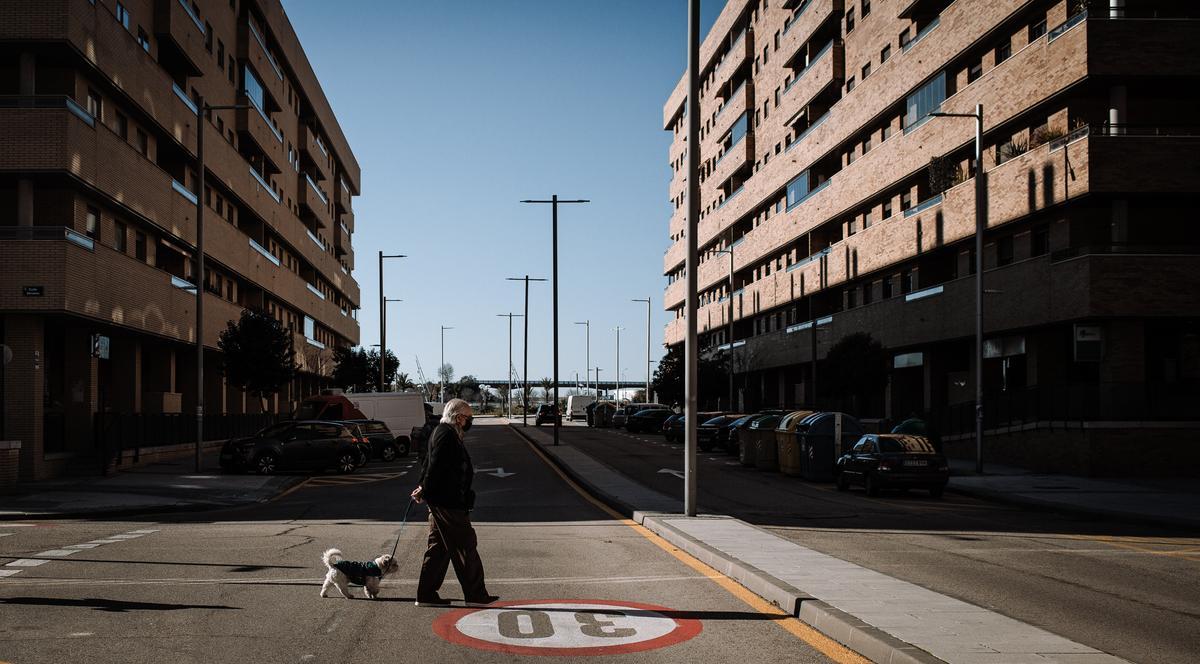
(617, 369)
(201, 118)
(441, 372)
(980, 227)
(383, 319)
(509, 316)
(525, 371)
(729, 323)
(691, 340)
(382, 347)
(597, 370)
(554, 202)
(647, 301)
(587, 348)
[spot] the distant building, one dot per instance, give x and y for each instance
(99, 105)
(846, 204)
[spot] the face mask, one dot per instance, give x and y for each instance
(467, 425)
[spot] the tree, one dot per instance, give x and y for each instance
(857, 368)
(404, 382)
(467, 387)
(640, 396)
(259, 356)
(547, 385)
(351, 369)
(390, 366)
(668, 378)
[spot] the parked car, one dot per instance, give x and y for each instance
(649, 420)
(714, 432)
(893, 460)
(675, 432)
(545, 414)
(293, 445)
(360, 442)
(667, 431)
(384, 445)
(623, 412)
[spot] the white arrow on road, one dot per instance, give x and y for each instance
(494, 472)
(676, 473)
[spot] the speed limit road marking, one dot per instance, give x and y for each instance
(566, 627)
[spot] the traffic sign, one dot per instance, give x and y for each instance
(566, 627)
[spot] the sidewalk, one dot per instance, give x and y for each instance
(1172, 502)
(883, 618)
(167, 486)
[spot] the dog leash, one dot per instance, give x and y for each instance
(403, 522)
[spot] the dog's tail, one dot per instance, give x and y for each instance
(331, 557)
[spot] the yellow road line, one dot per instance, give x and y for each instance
(823, 644)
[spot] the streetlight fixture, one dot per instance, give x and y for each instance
(647, 301)
(509, 316)
(587, 348)
(441, 367)
(554, 202)
(980, 227)
(729, 323)
(202, 117)
(525, 371)
(383, 319)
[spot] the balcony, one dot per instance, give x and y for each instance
(255, 52)
(342, 199)
(1171, 50)
(814, 15)
(828, 67)
(313, 202)
(180, 36)
(314, 157)
(253, 124)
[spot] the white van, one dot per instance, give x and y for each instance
(401, 411)
(577, 406)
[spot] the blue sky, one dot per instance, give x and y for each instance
(458, 110)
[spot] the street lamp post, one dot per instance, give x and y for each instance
(201, 118)
(617, 369)
(980, 227)
(691, 340)
(382, 347)
(383, 319)
(509, 316)
(441, 367)
(554, 202)
(587, 324)
(525, 371)
(647, 301)
(597, 370)
(729, 323)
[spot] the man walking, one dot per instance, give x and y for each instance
(446, 486)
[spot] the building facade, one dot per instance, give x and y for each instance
(100, 103)
(849, 208)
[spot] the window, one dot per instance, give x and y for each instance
(866, 8)
(974, 72)
(1004, 251)
(1039, 240)
(1004, 50)
(797, 190)
(139, 245)
(122, 126)
(866, 71)
(927, 99)
(229, 71)
(738, 131)
(866, 220)
(93, 222)
(120, 239)
(885, 54)
(122, 15)
(94, 104)
(905, 201)
(866, 144)
(849, 84)
(254, 89)
(887, 287)
(143, 143)
(220, 55)
(886, 133)
(208, 38)
(887, 209)
(143, 39)
(1037, 28)
(849, 20)
(905, 38)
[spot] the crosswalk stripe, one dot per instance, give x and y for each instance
(8, 572)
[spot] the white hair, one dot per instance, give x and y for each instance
(453, 409)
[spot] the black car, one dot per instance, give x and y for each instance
(649, 420)
(667, 431)
(893, 460)
(384, 445)
(714, 432)
(546, 413)
(294, 445)
(360, 440)
(673, 431)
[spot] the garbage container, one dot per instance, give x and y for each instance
(823, 437)
(602, 416)
(787, 448)
(758, 441)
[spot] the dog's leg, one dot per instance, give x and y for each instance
(371, 589)
(328, 582)
(343, 588)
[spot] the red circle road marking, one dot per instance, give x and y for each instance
(446, 627)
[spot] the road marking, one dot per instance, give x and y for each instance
(5, 534)
(56, 553)
(668, 471)
(89, 545)
(353, 479)
(494, 472)
(5, 573)
(825, 645)
(26, 562)
(143, 532)
(79, 634)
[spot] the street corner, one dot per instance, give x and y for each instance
(562, 627)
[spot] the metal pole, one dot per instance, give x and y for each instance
(510, 316)
(690, 362)
(980, 227)
(382, 324)
(647, 301)
(525, 370)
(587, 350)
(441, 374)
(812, 318)
(554, 288)
(200, 120)
(617, 370)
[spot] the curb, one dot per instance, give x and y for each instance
(867, 640)
(1078, 510)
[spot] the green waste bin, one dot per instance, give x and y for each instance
(758, 442)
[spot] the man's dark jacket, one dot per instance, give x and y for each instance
(448, 472)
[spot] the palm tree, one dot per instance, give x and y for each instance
(404, 382)
(547, 387)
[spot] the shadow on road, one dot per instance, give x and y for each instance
(109, 605)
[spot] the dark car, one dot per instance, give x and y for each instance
(360, 440)
(714, 432)
(893, 460)
(293, 445)
(667, 432)
(383, 444)
(649, 420)
(674, 433)
(546, 413)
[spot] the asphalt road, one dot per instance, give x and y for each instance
(242, 585)
(1130, 590)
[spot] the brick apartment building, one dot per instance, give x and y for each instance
(100, 102)
(849, 208)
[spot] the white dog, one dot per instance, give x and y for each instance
(343, 572)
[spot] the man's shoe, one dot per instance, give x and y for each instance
(486, 600)
(434, 601)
